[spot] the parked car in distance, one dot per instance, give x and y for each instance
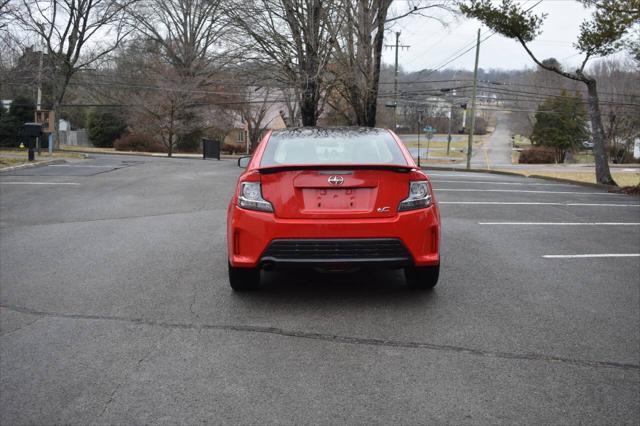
(334, 199)
(587, 145)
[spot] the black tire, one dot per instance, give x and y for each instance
(422, 277)
(244, 279)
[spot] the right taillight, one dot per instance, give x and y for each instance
(419, 196)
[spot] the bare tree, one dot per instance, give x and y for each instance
(255, 112)
(358, 51)
(622, 111)
(5, 12)
(294, 35)
(185, 31)
(76, 33)
(604, 33)
(160, 99)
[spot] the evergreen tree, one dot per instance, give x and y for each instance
(104, 127)
(21, 110)
(561, 124)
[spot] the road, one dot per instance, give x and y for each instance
(496, 149)
(115, 309)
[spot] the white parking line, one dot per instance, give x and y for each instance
(81, 165)
(528, 203)
(521, 191)
(500, 183)
(465, 175)
(39, 183)
(586, 256)
(562, 223)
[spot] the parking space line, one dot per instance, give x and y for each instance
(500, 183)
(521, 191)
(587, 256)
(531, 203)
(82, 165)
(465, 175)
(562, 223)
(39, 183)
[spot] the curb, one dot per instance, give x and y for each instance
(31, 165)
(608, 188)
(149, 154)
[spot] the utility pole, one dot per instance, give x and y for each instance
(419, 126)
(449, 131)
(395, 81)
(473, 103)
(39, 96)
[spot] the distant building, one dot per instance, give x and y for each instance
(274, 119)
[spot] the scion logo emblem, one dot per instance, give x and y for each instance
(335, 180)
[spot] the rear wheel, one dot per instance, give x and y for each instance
(244, 279)
(422, 277)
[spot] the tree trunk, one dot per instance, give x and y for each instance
(603, 175)
(371, 106)
(309, 106)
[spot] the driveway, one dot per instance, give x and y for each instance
(496, 149)
(115, 308)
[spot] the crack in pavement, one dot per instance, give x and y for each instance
(334, 338)
(21, 327)
(135, 368)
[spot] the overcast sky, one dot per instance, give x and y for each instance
(432, 45)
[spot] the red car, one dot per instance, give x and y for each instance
(333, 199)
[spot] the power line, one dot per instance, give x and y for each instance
(471, 46)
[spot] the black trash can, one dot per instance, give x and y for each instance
(211, 148)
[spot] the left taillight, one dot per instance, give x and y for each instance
(250, 197)
(419, 196)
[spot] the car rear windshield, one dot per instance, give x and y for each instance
(319, 147)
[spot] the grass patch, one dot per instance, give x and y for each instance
(85, 149)
(43, 155)
(457, 142)
(9, 161)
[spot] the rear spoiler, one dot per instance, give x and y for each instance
(337, 167)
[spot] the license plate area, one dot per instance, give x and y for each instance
(337, 200)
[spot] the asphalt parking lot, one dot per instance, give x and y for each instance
(115, 308)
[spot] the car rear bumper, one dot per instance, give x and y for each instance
(336, 252)
(252, 236)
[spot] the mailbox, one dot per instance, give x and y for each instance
(30, 132)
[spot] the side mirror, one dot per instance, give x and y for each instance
(244, 161)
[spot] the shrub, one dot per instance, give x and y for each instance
(190, 142)
(232, 149)
(619, 155)
(138, 142)
(480, 126)
(537, 155)
(104, 127)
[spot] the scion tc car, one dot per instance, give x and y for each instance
(334, 199)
